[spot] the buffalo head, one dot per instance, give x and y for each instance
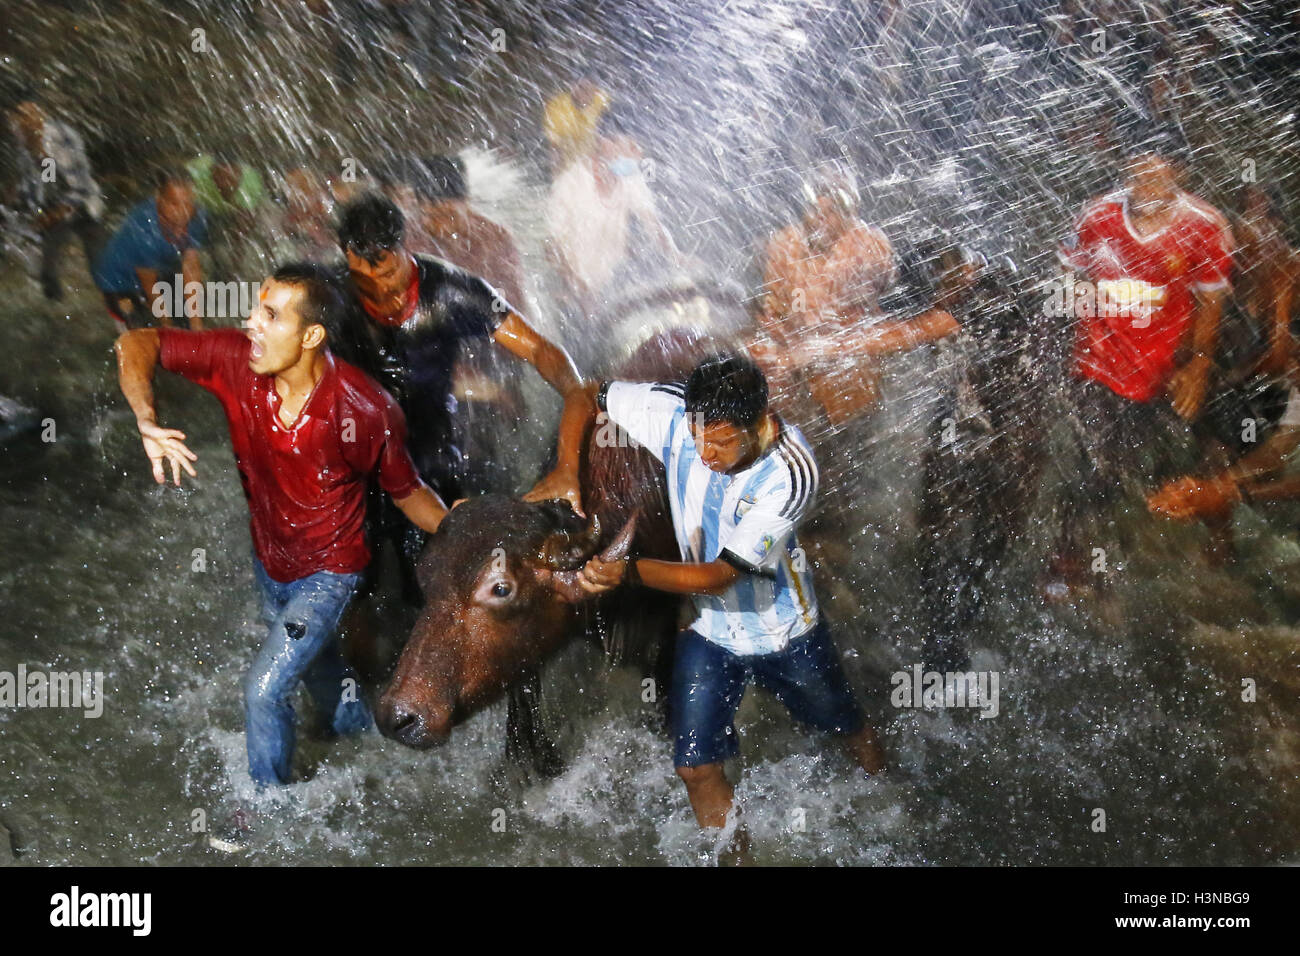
(500, 580)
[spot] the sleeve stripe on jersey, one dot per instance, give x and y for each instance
(675, 389)
(809, 471)
(740, 564)
(796, 456)
(800, 488)
(602, 396)
(796, 478)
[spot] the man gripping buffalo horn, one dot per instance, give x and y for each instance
(739, 482)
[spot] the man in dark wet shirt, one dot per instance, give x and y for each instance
(488, 401)
(984, 453)
(407, 317)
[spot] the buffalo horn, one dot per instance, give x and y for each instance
(566, 582)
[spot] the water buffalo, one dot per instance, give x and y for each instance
(501, 593)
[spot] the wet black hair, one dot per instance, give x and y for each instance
(321, 303)
(398, 170)
(919, 267)
(438, 178)
(727, 388)
(371, 225)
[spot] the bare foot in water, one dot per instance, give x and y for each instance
(864, 747)
(736, 852)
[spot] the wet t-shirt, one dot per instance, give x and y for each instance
(305, 484)
(139, 243)
(592, 229)
(413, 354)
(1144, 286)
(746, 518)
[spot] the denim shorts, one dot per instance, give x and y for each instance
(709, 681)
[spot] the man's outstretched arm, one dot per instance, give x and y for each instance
(192, 271)
(522, 341)
(1187, 386)
(889, 338)
(1193, 497)
(138, 352)
(1268, 458)
(875, 341)
(554, 365)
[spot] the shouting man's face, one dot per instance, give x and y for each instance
(276, 329)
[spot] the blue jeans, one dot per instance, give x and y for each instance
(709, 680)
(301, 618)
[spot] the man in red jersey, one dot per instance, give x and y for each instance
(1153, 264)
(308, 431)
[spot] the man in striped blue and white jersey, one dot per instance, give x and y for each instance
(739, 482)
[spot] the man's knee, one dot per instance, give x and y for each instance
(264, 694)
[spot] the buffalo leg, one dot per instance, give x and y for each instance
(526, 739)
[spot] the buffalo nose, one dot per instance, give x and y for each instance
(412, 725)
(406, 725)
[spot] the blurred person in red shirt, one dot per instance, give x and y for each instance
(1151, 267)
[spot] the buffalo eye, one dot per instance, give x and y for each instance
(496, 589)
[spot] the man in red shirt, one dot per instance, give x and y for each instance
(308, 431)
(1153, 265)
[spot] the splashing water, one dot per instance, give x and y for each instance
(990, 120)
